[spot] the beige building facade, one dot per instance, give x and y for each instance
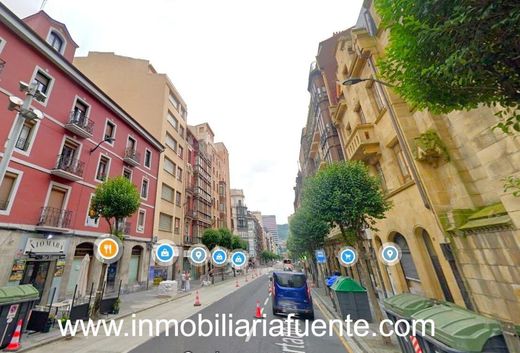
(156, 104)
(458, 230)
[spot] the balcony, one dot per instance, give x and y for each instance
(362, 144)
(54, 220)
(202, 173)
(127, 228)
(131, 156)
(68, 168)
(190, 213)
(199, 193)
(2, 64)
(79, 124)
(188, 239)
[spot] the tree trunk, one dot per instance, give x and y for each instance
(368, 283)
(99, 293)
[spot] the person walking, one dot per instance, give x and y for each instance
(183, 281)
(188, 278)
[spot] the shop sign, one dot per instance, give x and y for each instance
(46, 246)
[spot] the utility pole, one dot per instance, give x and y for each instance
(24, 113)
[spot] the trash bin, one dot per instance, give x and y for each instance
(457, 330)
(16, 303)
(352, 299)
(402, 307)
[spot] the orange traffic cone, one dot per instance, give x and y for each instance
(269, 288)
(14, 345)
(197, 299)
(236, 285)
(258, 313)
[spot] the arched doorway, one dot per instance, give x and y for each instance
(409, 270)
(437, 268)
(81, 250)
(135, 265)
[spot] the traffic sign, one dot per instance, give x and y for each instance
(198, 255)
(390, 254)
(320, 256)
(347, 256)
(13, 309)
(238, 259)
(219, 256)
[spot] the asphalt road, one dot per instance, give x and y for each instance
(242, 304)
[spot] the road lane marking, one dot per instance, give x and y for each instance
(266, 301)
(341, 338)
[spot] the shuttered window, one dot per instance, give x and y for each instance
(6, 189)
(167, 193)
(169, 166)
(165, 222)
(407, 264)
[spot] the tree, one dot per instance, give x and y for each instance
(267, 256)
(345, 195)
(450, 55)
(114, 200)
(211, 238)
(307, 234)
(238, 243)
(226, 238)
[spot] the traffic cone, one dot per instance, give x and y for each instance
(14, 345)
(258, 313)
(269, 288)
(237, 285)
(197, 299)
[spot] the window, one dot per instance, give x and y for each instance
(147, 158)
(2, 45)
(165, 222)
(173, 100)
(167, 193)
(181, 152)
(79, 112)
(401, 162)
(170, 142)
(131, 143)
(56, 41)
(173, 121)
(103, 167)
(91, 222)
(43, 81)
(144, 189)
(377, 96)
(178, 197)
(68, 156)
(181, 131)
(110, 130)
(127, 173)
(360, 114)
(177, 228)
(141, 217)
(179, 174)
(169, 166)
(7, 190)
(381, 175)
(25, 137)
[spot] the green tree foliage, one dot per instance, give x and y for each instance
(238, 243)
(306, 233)
(211, 238)
(222, 237)
(114, 200)
(345, 195)
(450, 55)
(267, 256)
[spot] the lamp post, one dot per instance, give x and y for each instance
(106, 139)
(25, 112)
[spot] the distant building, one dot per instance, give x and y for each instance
(269, 222)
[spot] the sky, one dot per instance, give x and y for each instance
(240, 65)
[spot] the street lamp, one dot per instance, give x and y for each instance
(106, 139)
(25, 112)
(354, 80)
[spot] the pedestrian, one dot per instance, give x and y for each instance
(183, 281)
(188, 278)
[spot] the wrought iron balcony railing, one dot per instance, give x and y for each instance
(54, 217)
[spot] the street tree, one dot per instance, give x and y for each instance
(114, 200)
(307, 234)
(452, 55)
(345, 195)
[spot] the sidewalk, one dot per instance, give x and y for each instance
(130, 304)
(367, 344)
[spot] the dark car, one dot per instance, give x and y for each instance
(291, 295)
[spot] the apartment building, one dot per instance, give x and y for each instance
(154, 101)
(83, 138)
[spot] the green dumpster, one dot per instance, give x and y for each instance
(457, 330)
(16, 303)
(402, 307)
(352, 299)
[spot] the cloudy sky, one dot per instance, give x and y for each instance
(240, 65)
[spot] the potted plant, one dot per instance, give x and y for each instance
(115, 306)
(49, 323)
(64, 320)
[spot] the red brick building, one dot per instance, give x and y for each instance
(45, 227)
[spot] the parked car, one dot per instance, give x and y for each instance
(292, 295)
